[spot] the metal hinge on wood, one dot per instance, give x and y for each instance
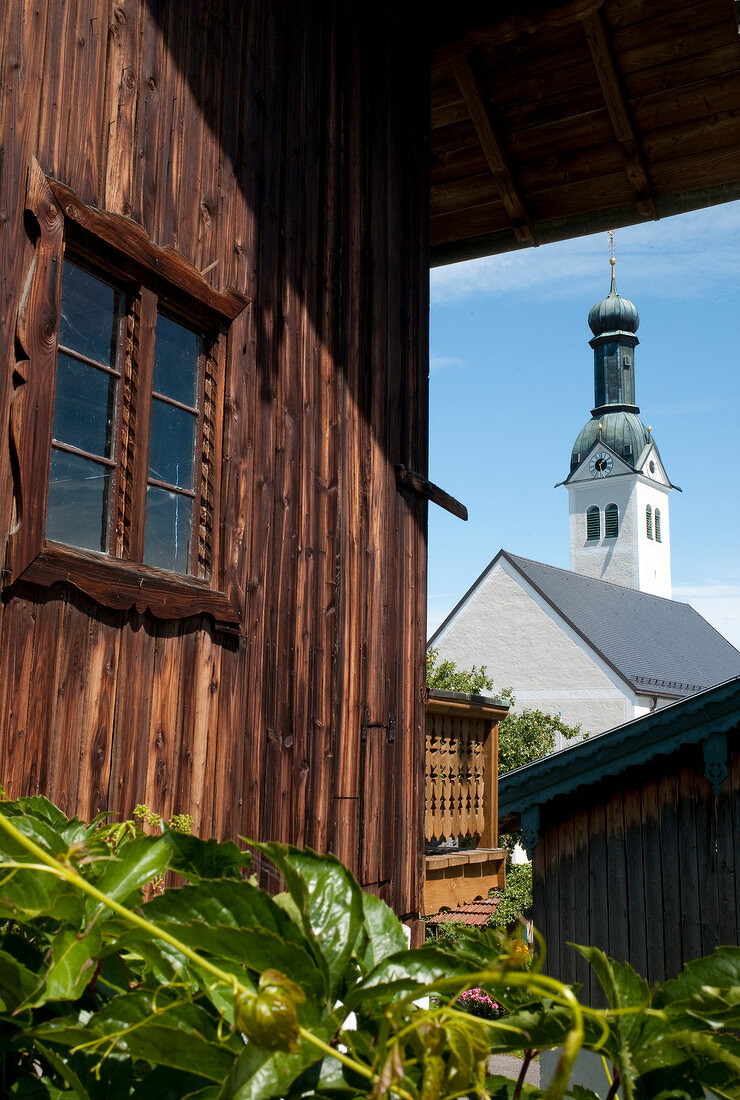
(426, 488)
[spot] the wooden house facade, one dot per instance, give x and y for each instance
(253, 174)
(213, 573)
(633, 836)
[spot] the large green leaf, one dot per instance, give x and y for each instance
(407, 971)
(35, 805)
(383, 933)
(716, 1061)
(708, 989)
(181, 1035)
(30, 894)
(197, 859)
(535, 1028)
(72, 964)
(136, 863)
(260, 1074)
(16, 982)
(504, 1088)
(329, 900)
(237, 921)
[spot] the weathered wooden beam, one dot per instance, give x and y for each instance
(498, 32)
(619, 112)
(492, 143)
(411, 480)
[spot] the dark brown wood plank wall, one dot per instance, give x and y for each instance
(643, 867)
(293, 171)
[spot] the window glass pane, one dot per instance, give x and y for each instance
(176, 351)
(90, 311)
(77, 504)
(84, 406)
(172, 445)
(168, 528)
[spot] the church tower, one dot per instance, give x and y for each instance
(617, 485)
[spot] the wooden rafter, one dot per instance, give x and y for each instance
(620, 114)
(493, 147)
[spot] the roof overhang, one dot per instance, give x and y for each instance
(691, 721)
(554, 120)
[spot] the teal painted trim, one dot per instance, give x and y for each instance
(715, 761)
(688, 722)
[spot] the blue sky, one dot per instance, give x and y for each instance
(512, 384)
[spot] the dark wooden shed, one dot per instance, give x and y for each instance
(634, 836)
(250, 183)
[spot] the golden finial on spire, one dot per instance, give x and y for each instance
(612, 248)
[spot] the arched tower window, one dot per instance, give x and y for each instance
(611, 521)
(657, 525)
(649, 520)
(593, 523)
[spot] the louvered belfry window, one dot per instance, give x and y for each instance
(593, 523)
(657, 525)
(649, 520)
(611, 521)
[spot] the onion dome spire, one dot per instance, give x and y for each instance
(615, 418)
(614, 322)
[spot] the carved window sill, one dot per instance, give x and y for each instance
(124, 585)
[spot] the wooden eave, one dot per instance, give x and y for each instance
(562, 119)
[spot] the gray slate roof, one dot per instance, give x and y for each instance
(659, 646)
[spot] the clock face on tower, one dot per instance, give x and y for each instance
(601, 464)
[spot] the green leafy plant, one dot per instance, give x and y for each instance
(218, 991)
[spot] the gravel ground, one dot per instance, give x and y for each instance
(510, 1067)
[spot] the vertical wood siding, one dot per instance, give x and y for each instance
(644, 867)
(279, 146)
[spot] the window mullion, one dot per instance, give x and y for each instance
(136, 419)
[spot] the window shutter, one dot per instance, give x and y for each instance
(649, 520)
(611, 521)
(657, 525)
(593, 523)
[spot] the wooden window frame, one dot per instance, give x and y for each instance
(115, 244)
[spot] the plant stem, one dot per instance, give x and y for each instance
(528, 1056)
(614, 1085)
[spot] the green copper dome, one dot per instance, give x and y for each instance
(613, 314)
(622, 431)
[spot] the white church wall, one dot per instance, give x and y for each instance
(526, 646)
(604, 559)
(654, 558)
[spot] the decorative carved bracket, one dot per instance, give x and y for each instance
(530, 830)
(715, 761)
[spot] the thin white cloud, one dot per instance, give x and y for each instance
(687, 257)
(440, 362)
(719, 603)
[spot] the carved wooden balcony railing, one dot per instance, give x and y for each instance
(461, 791)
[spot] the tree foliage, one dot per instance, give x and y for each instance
(217, 991)
(524, 736)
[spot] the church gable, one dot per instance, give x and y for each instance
(600, 461)
(651, 465)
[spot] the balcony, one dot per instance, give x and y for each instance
(463, 860)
